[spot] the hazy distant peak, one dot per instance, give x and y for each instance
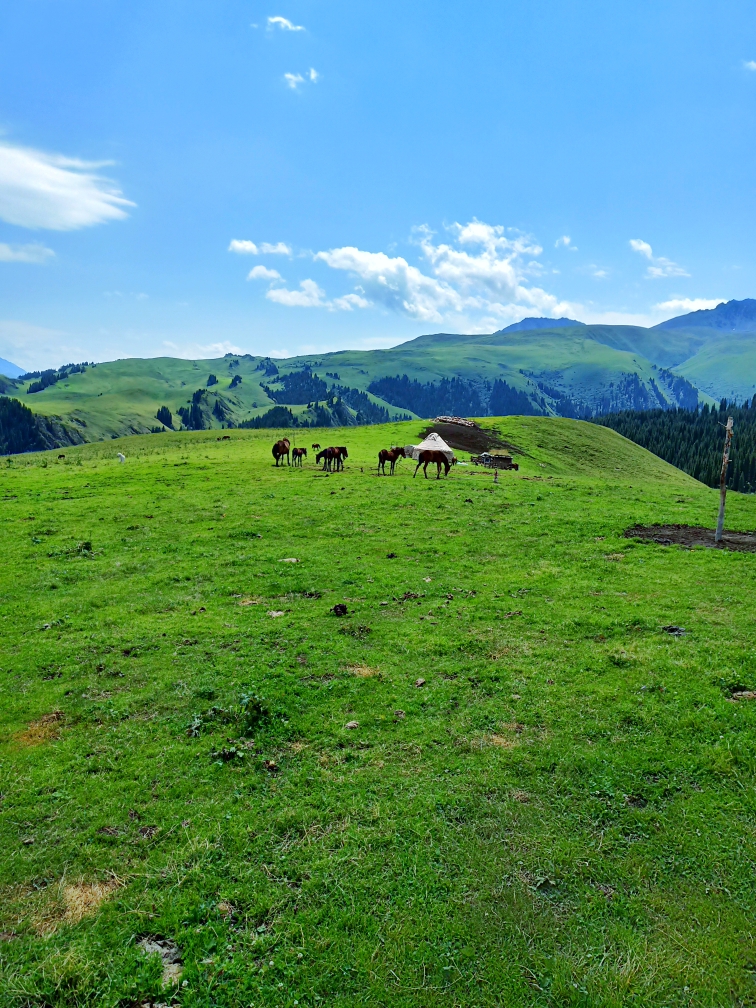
(541, 323)
(10, 370)
(732, 316)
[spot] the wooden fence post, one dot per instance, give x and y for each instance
(723, 480)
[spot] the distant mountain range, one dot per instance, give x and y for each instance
(541, 323)
(556, 367)
(10, 370)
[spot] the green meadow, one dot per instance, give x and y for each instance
(496, 781)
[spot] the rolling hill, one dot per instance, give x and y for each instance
(538, 366)
(526, 791)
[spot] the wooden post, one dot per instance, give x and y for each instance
(723, 480)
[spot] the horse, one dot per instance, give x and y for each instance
(327, 455)
(341, 454)
(389, 455)
(427, 457)
(316, 447)
(281, 448)
(298, 454)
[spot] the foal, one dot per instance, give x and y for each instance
(389, 455)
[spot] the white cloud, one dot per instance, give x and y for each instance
(310, 296)
(294, 80)
(395, 284)
(661, 267)
(350, 301)
(242, 247)
(40, 190)
(643, 247)
(685, 305)
(31, 253)
(565, 242)
(263, 273)
(284, 24)
(202, 351)
(749, 64)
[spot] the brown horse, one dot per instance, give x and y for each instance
(389, 455)
(427, 457)
(341, 454)
(326, 456)
(316, 447)
(297, 455)
(281, 448)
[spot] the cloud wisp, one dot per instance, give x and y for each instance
(565, 242)
(660, 267)
(31, 253)
(284, 24)
(684, 305)
(40, 190)
(294, 81)
(244, 247)
(749, 65)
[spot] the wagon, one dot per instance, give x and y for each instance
(494, 461)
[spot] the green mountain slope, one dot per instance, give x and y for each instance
(568, 369)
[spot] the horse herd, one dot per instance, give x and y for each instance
(333, 458)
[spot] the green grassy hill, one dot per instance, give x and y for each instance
(560, 371)
(518, 791)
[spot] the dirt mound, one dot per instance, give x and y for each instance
(470, 439)
(690, 535)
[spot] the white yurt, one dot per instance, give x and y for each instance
(433, 442)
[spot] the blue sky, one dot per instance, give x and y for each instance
(184, 178)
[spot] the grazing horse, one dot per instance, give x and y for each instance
(298, 454)
(281, 448)
(316, 447)
(427, 457)
(341, 454)
(327, 455)
(389, 455)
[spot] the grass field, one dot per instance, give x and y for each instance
(561, 814)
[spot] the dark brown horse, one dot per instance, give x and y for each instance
(427, 457)
(341, 454)
(389, 455)
(281, 448)
(316, 447)
(297, 455)
(326, 456)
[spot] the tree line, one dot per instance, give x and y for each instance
(692, 439)
(454, 396)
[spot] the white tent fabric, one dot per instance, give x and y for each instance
(432, 443)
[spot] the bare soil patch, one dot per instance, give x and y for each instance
(44, 730)
(691, 535)
(470, 439)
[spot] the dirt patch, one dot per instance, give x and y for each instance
(501, 741)
(470, 439)
(364, 671)
(45, 729)
(65, 903)
(691, 535)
